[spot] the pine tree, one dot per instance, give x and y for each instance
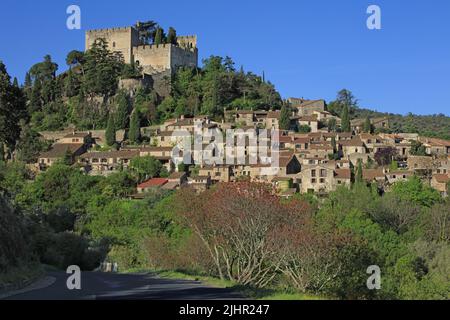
(172, 36)
(135, 129)
(15, 82)
(36, 97)
(367, 126)
(285, 118)
(28, 83)
(345, 118)
(110, 131)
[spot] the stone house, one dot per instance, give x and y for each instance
(374, 175)
(440, 182)
(58, 152)
(199, 183)
(104, 163)
(217, 173)
(398, 176)
(304, 107)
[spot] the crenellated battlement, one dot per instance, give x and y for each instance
(152, 57)
(115, 29)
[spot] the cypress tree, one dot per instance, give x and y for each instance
(359, 172)
(135, 128)
(172, 36)
(15, 82)
(158, 36)
(345, 118)
(285, 118)
(123, 110)
(110, 131)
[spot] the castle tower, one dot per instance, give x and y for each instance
(152, 58)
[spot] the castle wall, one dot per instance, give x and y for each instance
(187, 41)
(119, 40)
(183, 57)
(156, 56)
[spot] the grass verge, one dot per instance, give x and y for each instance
(248, 292)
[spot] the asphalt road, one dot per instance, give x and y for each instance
(108, 286)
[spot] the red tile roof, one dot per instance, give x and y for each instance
(155, 182)
(441, 178)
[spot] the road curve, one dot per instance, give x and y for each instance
(108, 286)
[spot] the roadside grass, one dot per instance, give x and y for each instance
(248, 292)
(20, 277)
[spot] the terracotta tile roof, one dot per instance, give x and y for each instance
(273, 115)
(343, 174)
(352, 143)
(153, 149)
(301, 140)
(176, 175)
(308, 118)
(372, 174)
(155, 182)
(441, 178)
(77, 135)
(123, 154)
(59, 150)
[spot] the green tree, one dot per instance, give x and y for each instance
(75, 58)
(418, 149)
(367, 126)
(29, 145)
(123, 111)
(415, 191)
(110, 133)
(359, 173)
(331, 124)
(12, 109)
(345, 118)
(135, 129)
(146, 167)
(159, 36)
(285, 118)
(102, 69)
(172, 36)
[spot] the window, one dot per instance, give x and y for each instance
(339, 182)
(322, 180)
(114, 44)
(394, 176)
(313, 173)
(323, 173)
(313, 181)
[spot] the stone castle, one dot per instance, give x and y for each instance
(152, 58)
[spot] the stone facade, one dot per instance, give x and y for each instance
(152, 58)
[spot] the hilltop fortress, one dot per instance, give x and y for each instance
(154, 59)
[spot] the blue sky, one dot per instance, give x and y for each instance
(307, 48)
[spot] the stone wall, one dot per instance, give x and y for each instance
(156, 56)
(119, 40)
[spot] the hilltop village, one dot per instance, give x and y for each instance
(318, 159)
